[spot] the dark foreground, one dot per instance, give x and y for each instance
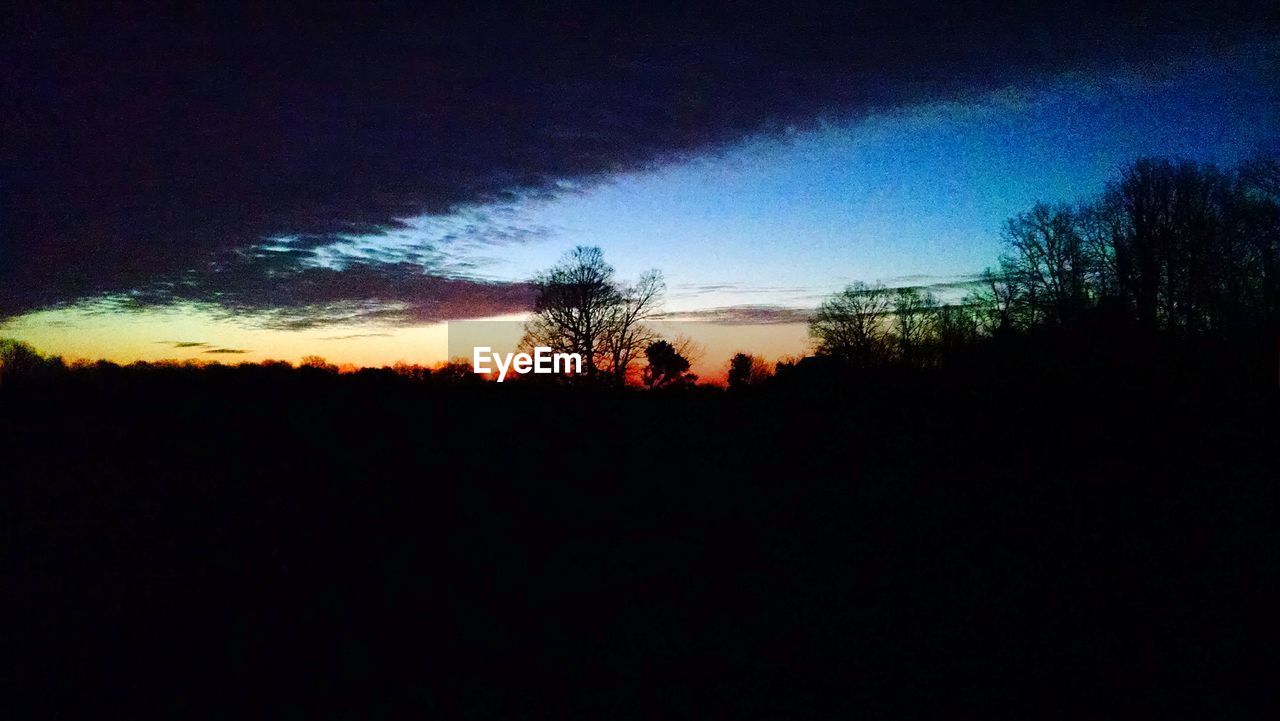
(343, 547)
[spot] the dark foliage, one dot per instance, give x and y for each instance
(1036, 533)
(665, 364)
(746, 370)
(1057, 500)
(1181, 252)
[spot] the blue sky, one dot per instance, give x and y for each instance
(908, 196)
(920, 191)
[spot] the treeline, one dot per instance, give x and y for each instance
(1179, 254)
(21, 364)
(1171, 259)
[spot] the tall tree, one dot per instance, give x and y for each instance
(955, 327)
(1260, 183)
(1047, 261)
(626, 335)
(581, 308)
(996, 301)
(913, 318)
(852, 324)
(1185, 253)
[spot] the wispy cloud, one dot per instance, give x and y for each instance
(354, 336)
(742, 315)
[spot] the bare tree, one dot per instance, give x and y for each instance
(581, 308)
(1048, 260)
(997, 303)
(852, 324)
(1262, 174)
(954, 327)
(1260, 183)
(913, 314)
(1188, 255)
(574, 301)
(689, 348)
(626, 336)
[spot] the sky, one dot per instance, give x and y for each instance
(242, 184)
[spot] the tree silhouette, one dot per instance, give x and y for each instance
(666, 365)
(914, 319)
(457, 370)
(955, 327)
(746, 370)
(18, 360)
(852, 324)
(626, 335)
(1181, 249)
(581, 308)
(1048, 262)
(997, 303)
(317, 363)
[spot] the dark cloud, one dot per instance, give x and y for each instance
(226, 350)
(143, 143)
(185, 344)
(286, 295)
(291, 297)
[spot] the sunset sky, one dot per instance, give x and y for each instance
(231, 186)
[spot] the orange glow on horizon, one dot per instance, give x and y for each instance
(185, 335)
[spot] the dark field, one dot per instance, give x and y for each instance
(968, 544)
